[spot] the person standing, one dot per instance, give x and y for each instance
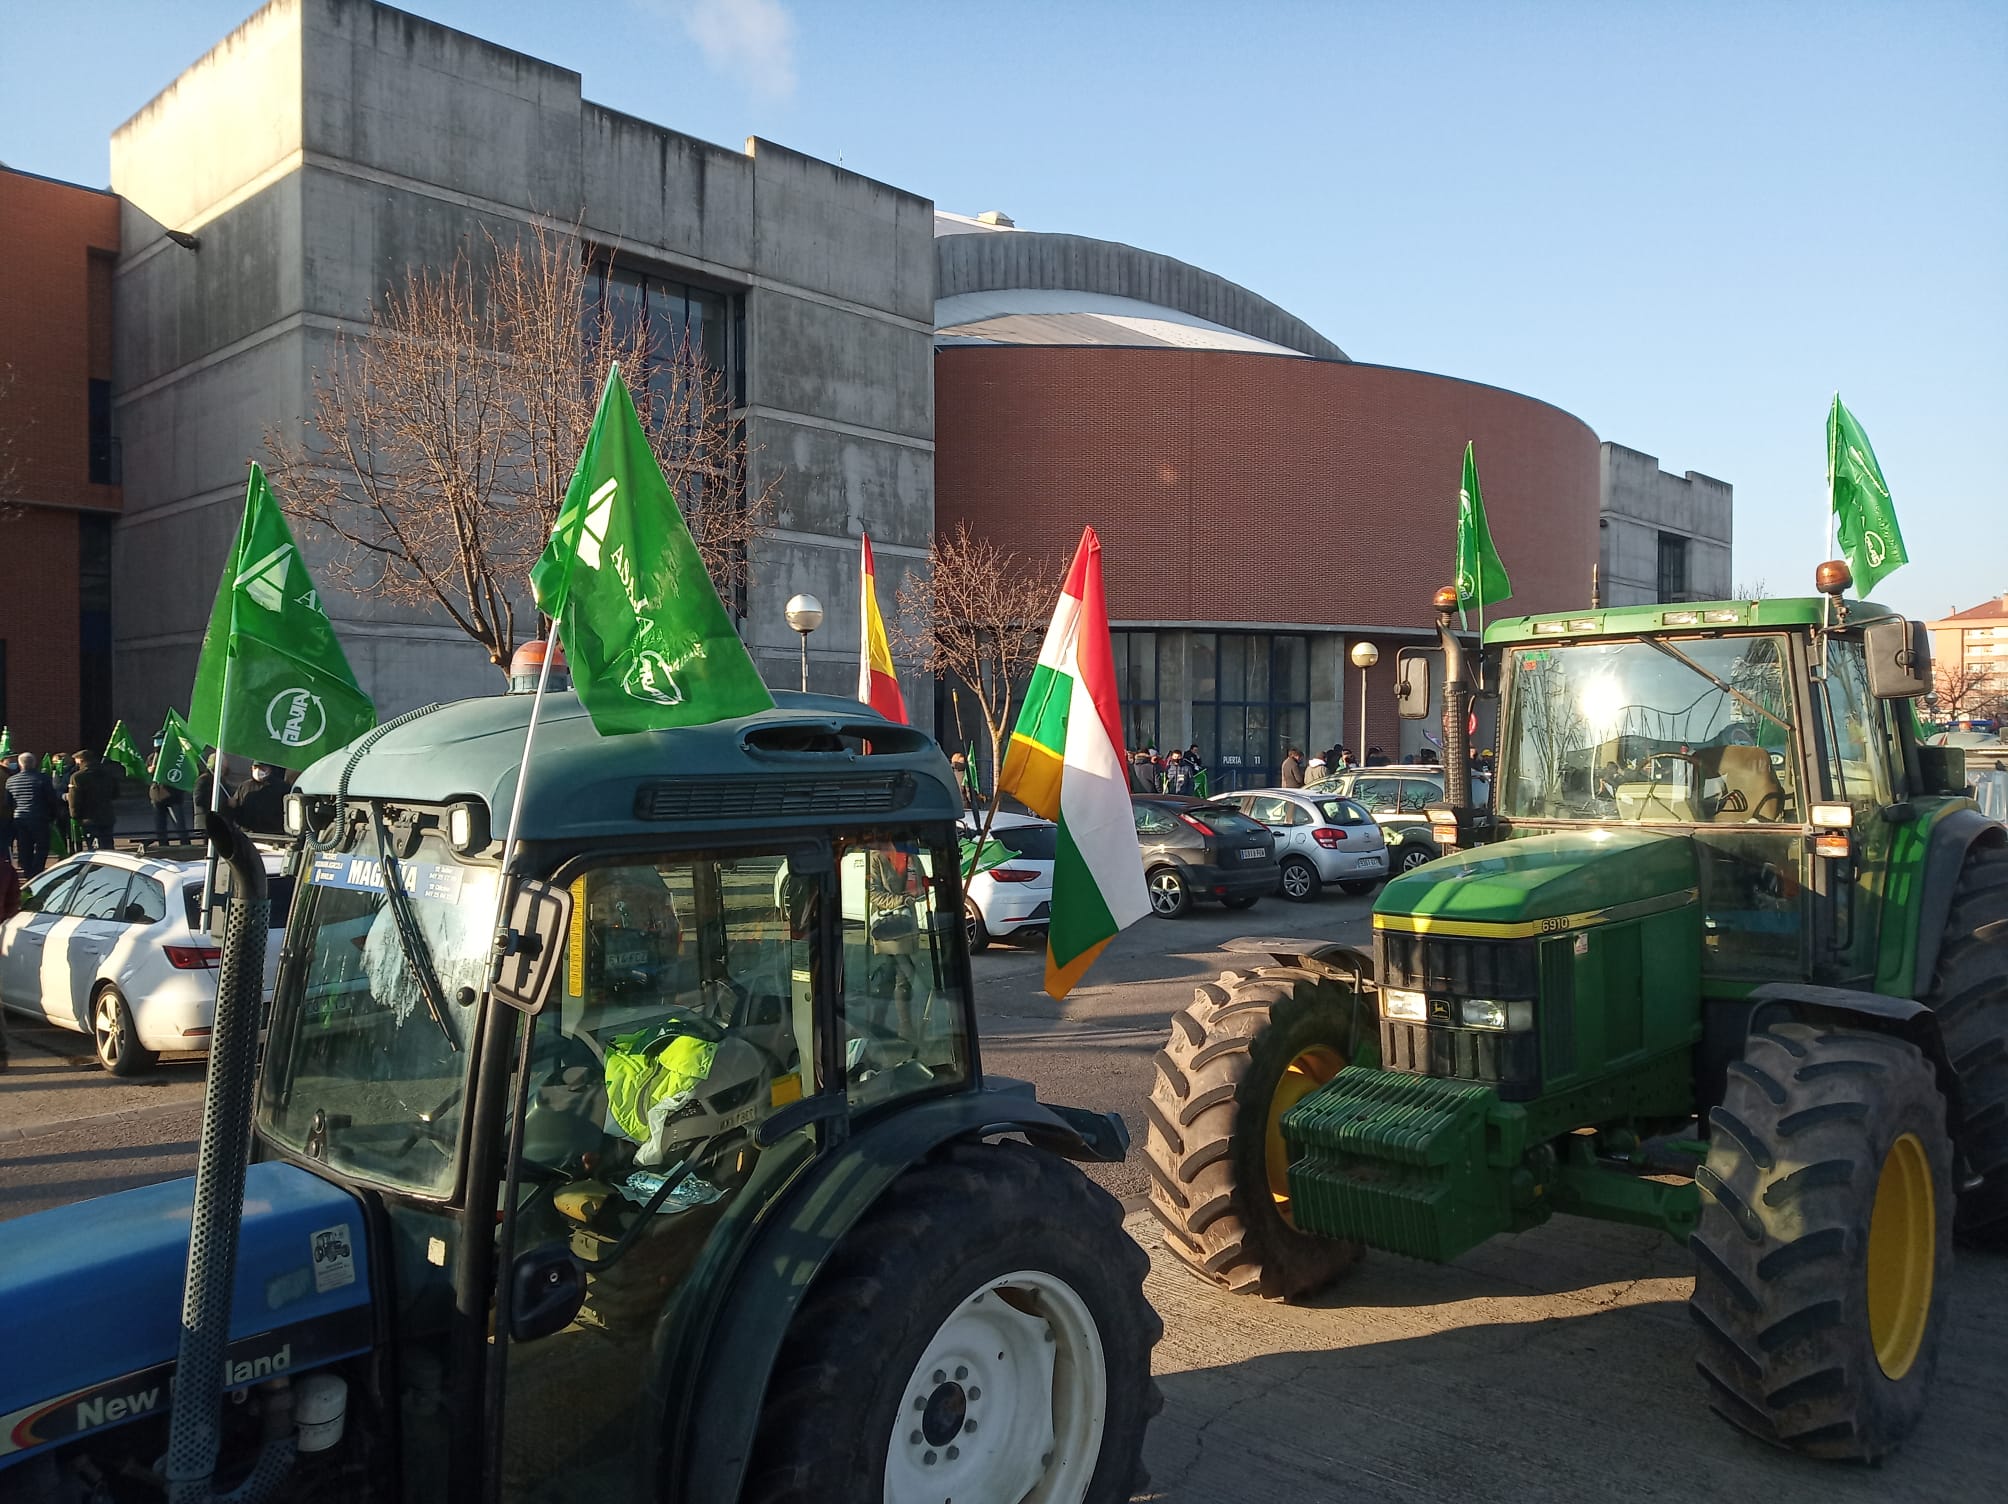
(1293, 769)
(36, 810)
(260, 805)
(169, 804)
(1177, 773)
(1143, 777)
(1314, 769)
(93, 800)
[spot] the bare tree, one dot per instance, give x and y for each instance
(1753, 590)
(440, 445)
(976, 619)
(1968, 690)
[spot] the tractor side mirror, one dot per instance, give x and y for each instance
(547, 1287)
(1899, 658)
(530, 943)
(1411, 690)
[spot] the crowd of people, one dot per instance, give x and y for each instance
(73, 807)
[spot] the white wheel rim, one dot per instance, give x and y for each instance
(1296, 881)
(1413, 860)
(1164, 892)
(1007, 1403)
(107, 1021)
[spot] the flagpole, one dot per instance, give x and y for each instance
(215, 786)
(523, 772)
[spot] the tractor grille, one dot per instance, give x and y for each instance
(1456, 967)
(1509, 1061)
(1558, 1006)
(723, 799)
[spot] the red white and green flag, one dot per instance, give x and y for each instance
(878, 685)
(1065, 763)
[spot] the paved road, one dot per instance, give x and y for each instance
(1094, 1050)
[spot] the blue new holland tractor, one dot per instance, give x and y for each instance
(659, 1164)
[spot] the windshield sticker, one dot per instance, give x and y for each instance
(439, 881)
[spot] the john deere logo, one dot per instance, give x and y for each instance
(649, 678)
(295, 718)
(265, 581)
(1872, 546)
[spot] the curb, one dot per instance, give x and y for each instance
(97, 1119)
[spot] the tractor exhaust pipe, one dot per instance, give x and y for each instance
(195, 1425)
(1456, 706)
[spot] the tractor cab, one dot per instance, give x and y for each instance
(597, 1135)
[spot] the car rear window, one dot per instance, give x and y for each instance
(1035, 843)
(1226, 819)
(279, 888)
(1343, 812)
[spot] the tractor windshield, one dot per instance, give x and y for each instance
(373, 1025)
(1650, 732)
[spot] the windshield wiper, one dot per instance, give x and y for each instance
(1722, 684)
(416, 953)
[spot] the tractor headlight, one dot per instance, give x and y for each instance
(296, 814)
(1481, 1013)
(467, 827)
(1411, 1007)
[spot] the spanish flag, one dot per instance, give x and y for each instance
(1065, 763)
(878, 685)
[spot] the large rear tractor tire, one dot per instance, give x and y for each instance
(981, 1335)
(1970, 997)
(1824, 1252)
(1248, 1048)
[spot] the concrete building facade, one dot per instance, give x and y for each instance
(324, 147)
(59, 464)
(1663, 537)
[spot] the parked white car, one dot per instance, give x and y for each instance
(1014, 898)
(1320, 838)
(109, 943)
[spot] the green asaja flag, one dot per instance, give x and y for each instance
(120, 749)
(178, 764)
(6, 741)
(647, 639)
(1871, 541)
(273, 684)
(1481, 578)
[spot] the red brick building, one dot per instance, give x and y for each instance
(1264, 503)
(59, 471)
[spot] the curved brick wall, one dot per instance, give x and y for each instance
(1230, 487)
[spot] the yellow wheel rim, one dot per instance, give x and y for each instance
(1304, 1075)
(1903, 1238)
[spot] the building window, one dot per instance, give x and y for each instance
(1672, 567)
(1136, 686)
(684, 326)
(94, 627)
(103, 452)
(1251, 698)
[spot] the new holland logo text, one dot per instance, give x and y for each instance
(295, 717)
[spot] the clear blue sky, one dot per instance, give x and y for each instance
(1687, 224)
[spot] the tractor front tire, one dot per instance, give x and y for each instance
(1248, 1048)
(982, 1333)
(1824, 1252)
(1970, 996)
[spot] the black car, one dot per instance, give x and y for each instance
(1196, 849)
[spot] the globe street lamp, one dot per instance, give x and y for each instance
(805, 614)
(1365, 655)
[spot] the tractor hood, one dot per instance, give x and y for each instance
(92, 1293)
(1540, 881)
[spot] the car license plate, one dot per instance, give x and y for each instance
(1368, 861)
(1252, 853)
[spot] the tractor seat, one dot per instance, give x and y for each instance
(1750, 786)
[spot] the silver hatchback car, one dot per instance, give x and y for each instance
(1320, 838)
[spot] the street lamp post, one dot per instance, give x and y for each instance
(805, 614)
(1365, 655)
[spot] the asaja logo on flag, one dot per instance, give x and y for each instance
(649, 678)
(599, 512)
(265, 581)
(1466, 586)
(1872, 545)
(295, 717)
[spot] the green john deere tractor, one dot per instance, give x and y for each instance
(1728, 957)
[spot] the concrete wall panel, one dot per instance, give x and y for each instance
(837, 232)
(840, 484)
(807, 357)
(648, 189)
